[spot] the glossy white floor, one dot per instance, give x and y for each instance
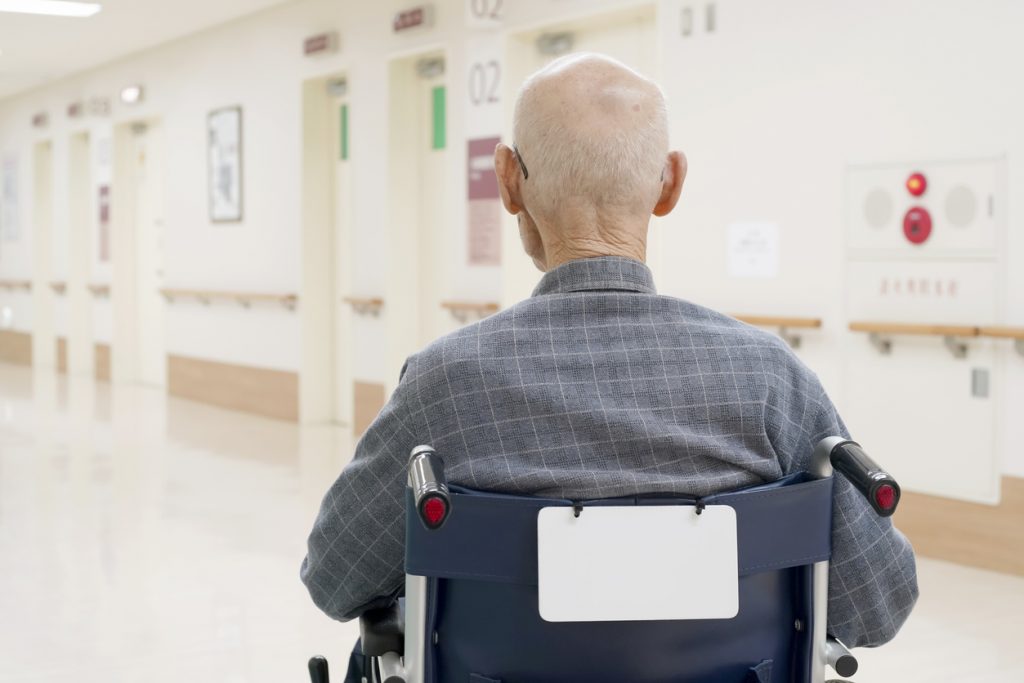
(151, 539)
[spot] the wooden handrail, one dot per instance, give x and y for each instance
(99, 289)
(371, 305)
(246, 299)
(880, 334)
(784, 325)
(775, 321)
(935, 330)
(16, 284)
(462, 310)
(482, 306)
(59, 287)
(1002, 332)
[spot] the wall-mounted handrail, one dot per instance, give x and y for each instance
(59, 287)
(783, 325)
(881, 333)
(463, 310)
(246, 299)
(365, 305)
(99, 289)
(16, 284)
(1016, 334)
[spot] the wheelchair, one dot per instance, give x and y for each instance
(475, 575)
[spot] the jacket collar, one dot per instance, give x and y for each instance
(615, 273)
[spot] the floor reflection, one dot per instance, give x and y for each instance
(147, 538)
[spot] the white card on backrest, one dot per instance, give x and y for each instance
(634, 563)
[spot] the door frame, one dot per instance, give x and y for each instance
(126, 299)
(325, 327)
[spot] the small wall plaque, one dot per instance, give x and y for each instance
(414, 17)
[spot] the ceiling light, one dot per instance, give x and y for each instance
(55, 8)
(132, 94)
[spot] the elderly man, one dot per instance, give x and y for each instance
(596, 386)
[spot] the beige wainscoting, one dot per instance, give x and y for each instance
(62, 355)
(986, 536)
(102, 362)
(369, 399)
(272, 393)
(15, 347)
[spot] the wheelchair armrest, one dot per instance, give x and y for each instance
(382, 631)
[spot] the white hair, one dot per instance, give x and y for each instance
(601, 162)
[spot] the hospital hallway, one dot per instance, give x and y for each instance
(149, 538)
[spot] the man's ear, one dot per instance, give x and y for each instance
(507, 169)
(671, 183)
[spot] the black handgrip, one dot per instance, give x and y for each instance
(877, 485)
(382, 631)
(318, 672)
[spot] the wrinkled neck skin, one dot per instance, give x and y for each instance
(582, 230)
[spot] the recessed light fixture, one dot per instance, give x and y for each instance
(53, 8)
(132, 94)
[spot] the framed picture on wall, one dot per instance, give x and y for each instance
(224, 152)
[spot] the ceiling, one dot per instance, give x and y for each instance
(38, 49)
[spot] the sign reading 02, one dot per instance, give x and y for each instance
(484, 82)
(485, 11)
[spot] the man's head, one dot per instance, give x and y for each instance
(591, 162)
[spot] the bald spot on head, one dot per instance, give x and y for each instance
(590, 128)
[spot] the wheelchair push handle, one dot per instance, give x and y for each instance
(428, 486)
(318, 670)
(875, 484)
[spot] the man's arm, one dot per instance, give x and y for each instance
(356, 552)
(872, 576)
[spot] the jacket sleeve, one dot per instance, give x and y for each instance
(356, 550)
(872, 575)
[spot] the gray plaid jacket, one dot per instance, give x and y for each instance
(597, 387)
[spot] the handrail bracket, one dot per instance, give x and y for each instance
(794, 339)
(956, 346)
(882, 343)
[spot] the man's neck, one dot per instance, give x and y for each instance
(557, 257)
(579, 237)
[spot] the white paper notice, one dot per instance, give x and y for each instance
(637, 563)
(754, 250)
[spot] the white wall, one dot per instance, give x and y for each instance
(770, 109)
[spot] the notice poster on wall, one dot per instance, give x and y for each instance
(10, 228)
(753, 250)
(484, 203)
(224, 148)
(103, 225)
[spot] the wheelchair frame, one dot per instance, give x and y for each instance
(382, 630)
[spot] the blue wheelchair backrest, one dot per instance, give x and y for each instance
(483, 622)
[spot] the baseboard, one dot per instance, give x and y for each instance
(271, 393)
(985, 536)
(15, 347)
(62, 355)
(101, 356)
(369, 399)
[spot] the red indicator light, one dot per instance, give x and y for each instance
(434, 510)
(917, 184)
(885, 496)
(917, 225)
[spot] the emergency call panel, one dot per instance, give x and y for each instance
(933, 210)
